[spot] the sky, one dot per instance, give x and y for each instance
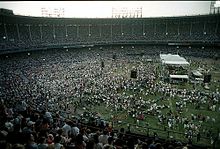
(103, 9)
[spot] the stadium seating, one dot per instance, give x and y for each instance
(27, 32)
(35, 76)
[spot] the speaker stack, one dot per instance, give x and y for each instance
(134, 74)
(102, 64)
(114, 57)
(207, 78)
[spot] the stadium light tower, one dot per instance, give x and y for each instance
(44, 12)
(56, 12)
(215, 7)
(125, 12)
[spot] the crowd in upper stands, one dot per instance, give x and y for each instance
(39, 33)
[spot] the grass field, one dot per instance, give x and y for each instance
(151, 122)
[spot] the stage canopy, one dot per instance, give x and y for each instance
(179, 77)
(196, 73)
(176, 60)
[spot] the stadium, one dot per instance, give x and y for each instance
(129, 82)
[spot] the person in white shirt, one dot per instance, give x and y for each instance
(109, 145)
(67, 129)
(74, 130)
(104, 137)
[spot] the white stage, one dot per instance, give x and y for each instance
(179, 77)
(176, 60)
(196, 73)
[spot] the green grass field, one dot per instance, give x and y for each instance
(151, 121)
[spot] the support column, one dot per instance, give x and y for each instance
(77, 31)
(132, 29)
(111, 32)
(100, 31)
(89, 30)
(54, 36)
(19, 38)
(166, 29)
(190, 31)
(122, 30)
(204, 27)
(41, 33)
(178, 29)
(29, 29)
(66, 31)
(6, 34)
(216, 28)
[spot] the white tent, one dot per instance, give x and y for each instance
(179, 77)
(196, 73)
(176, 61)
(170, 59)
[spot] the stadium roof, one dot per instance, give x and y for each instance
(170, 59)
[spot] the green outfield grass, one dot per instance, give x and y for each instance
(152, 121)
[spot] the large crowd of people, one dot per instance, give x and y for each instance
(41, 93)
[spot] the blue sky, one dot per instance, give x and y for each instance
(103, 9)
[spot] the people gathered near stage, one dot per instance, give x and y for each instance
(42, 94)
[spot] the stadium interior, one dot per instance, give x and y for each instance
(100, 83)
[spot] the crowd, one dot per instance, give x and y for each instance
(40, 92)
